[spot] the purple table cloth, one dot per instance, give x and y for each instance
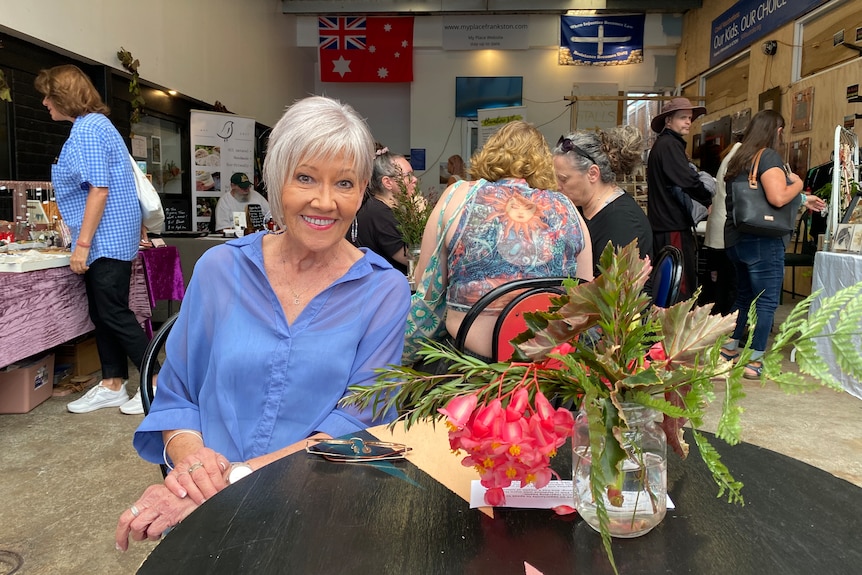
(46, 308)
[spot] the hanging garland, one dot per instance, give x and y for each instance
(131, 64)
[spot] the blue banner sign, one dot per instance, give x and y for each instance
(749, 20)
(601, 40)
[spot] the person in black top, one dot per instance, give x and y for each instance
(376, 227)
(587, 164)
(668, 168)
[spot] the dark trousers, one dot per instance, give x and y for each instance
(686, 242)
(718, 282)
(118, 334)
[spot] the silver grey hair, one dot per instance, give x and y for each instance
(384, 165)
(591, 143)
(617, 151)
(314, 128)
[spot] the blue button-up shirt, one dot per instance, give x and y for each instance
(95, 155)
(250, 382)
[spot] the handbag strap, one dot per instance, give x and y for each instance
(752, 174)
(443, 230)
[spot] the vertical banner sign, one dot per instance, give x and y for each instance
(749, 20)
(222, 144)
(601, 40)
(366, 49)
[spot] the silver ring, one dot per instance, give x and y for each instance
(135, 511)
(194, 466)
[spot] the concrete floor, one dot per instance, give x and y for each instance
(66, 478)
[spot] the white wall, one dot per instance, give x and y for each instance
(433, 125)
(241, 53)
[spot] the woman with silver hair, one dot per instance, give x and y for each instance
(243, 381)
(587, 164)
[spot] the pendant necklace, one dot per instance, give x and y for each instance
(295, 295)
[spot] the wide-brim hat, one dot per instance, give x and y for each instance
(675, 105)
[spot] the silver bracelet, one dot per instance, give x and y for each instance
(171, 438)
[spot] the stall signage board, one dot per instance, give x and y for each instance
(749, 20)
(222, 144)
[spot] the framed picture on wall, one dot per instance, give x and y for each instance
(803, 109)
(799, 156)
(770, 100)
(157, 149)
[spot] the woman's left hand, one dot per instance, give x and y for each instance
(199, 475)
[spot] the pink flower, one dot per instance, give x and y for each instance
(656, 352)
(459, 409)
(495, 496)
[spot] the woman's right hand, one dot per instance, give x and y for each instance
(151, 515)
(199, 475)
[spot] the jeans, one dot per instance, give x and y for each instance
(118, 333)
(759, 263)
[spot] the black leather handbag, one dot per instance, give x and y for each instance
(752, 212)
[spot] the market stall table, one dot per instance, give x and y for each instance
(832, 272)
(302, 514)
(42, 309)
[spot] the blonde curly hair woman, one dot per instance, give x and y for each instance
(507, 224)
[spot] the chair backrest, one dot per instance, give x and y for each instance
(802, 244)
(535, 295)
(667, 277)
(150, 364)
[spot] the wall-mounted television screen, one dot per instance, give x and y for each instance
(473, 93)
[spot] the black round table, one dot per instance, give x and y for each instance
(305, 515)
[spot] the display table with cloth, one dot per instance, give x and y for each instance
(42, 309)
(302, 514)
(832, 272)
(163, 274)
(191, 249)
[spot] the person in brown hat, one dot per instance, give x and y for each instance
(672, 185)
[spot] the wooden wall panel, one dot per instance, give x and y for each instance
(765, 72)
(818, 49)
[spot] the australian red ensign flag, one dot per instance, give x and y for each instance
(366, 49)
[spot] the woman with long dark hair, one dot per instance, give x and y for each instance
(759, 260)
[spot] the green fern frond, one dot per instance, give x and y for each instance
(720, 474)
(729, 428)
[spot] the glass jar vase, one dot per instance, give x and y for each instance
(413, 254)
(637, 501)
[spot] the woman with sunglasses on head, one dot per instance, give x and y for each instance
(759, 260)
(375, 226)
(275, 327)
(587, 164)
(507, 224)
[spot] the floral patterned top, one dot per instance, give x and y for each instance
(509, 231)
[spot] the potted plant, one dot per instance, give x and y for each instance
(411, 211)
(645, 360)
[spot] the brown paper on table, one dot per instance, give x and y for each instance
(432, 455)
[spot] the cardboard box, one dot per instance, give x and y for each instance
(81, 354)
(26, 385)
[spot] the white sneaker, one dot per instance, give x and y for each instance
(134, 406)
(98, 397)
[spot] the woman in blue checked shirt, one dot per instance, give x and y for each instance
(96, 195)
